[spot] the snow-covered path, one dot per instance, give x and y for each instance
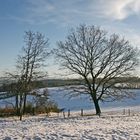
(107, 127)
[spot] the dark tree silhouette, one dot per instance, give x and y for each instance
(99, 59)
(29, 66)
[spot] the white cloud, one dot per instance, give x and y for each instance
(74, 12)
(118, 9)
(68, 11)
(71, 11)
(40, 8)
(46, 11)
(125, 31)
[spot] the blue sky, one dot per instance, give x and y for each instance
(53, 18)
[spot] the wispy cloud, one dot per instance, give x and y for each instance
(118, 9)
(68, 11)
(77, 11)
(125, 31)
(45, 11)
(74, 12)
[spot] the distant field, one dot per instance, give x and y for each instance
(80, 102)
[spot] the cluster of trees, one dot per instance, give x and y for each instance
(89, 52)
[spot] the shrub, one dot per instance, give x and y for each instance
(8, 111)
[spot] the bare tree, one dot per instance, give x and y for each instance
(99, 59)
(30, 65)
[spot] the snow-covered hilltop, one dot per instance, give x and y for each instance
(107, 127)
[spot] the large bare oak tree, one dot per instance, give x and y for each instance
(100, 59)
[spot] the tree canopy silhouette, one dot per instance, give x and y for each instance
(99, 59)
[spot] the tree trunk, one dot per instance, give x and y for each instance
(24, 104)
(20, 117)
(97, 107)
(17, 103)
(21, 107)
(96, 104)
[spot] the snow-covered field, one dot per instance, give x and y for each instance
(108, 127)
(112, 125)
(79, 102)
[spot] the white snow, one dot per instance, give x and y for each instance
(110, 126)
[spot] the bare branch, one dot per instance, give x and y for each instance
(99, 58)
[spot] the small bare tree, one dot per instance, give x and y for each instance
(99, 59)
(29, 66)
(32, 59)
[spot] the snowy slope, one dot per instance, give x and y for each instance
(115, 127)
(81, 102)
(84, 102)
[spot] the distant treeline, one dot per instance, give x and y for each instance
(45, 83)
(124, 82)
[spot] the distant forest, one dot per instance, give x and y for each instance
(124, 82)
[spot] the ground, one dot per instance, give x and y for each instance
(113, 126)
